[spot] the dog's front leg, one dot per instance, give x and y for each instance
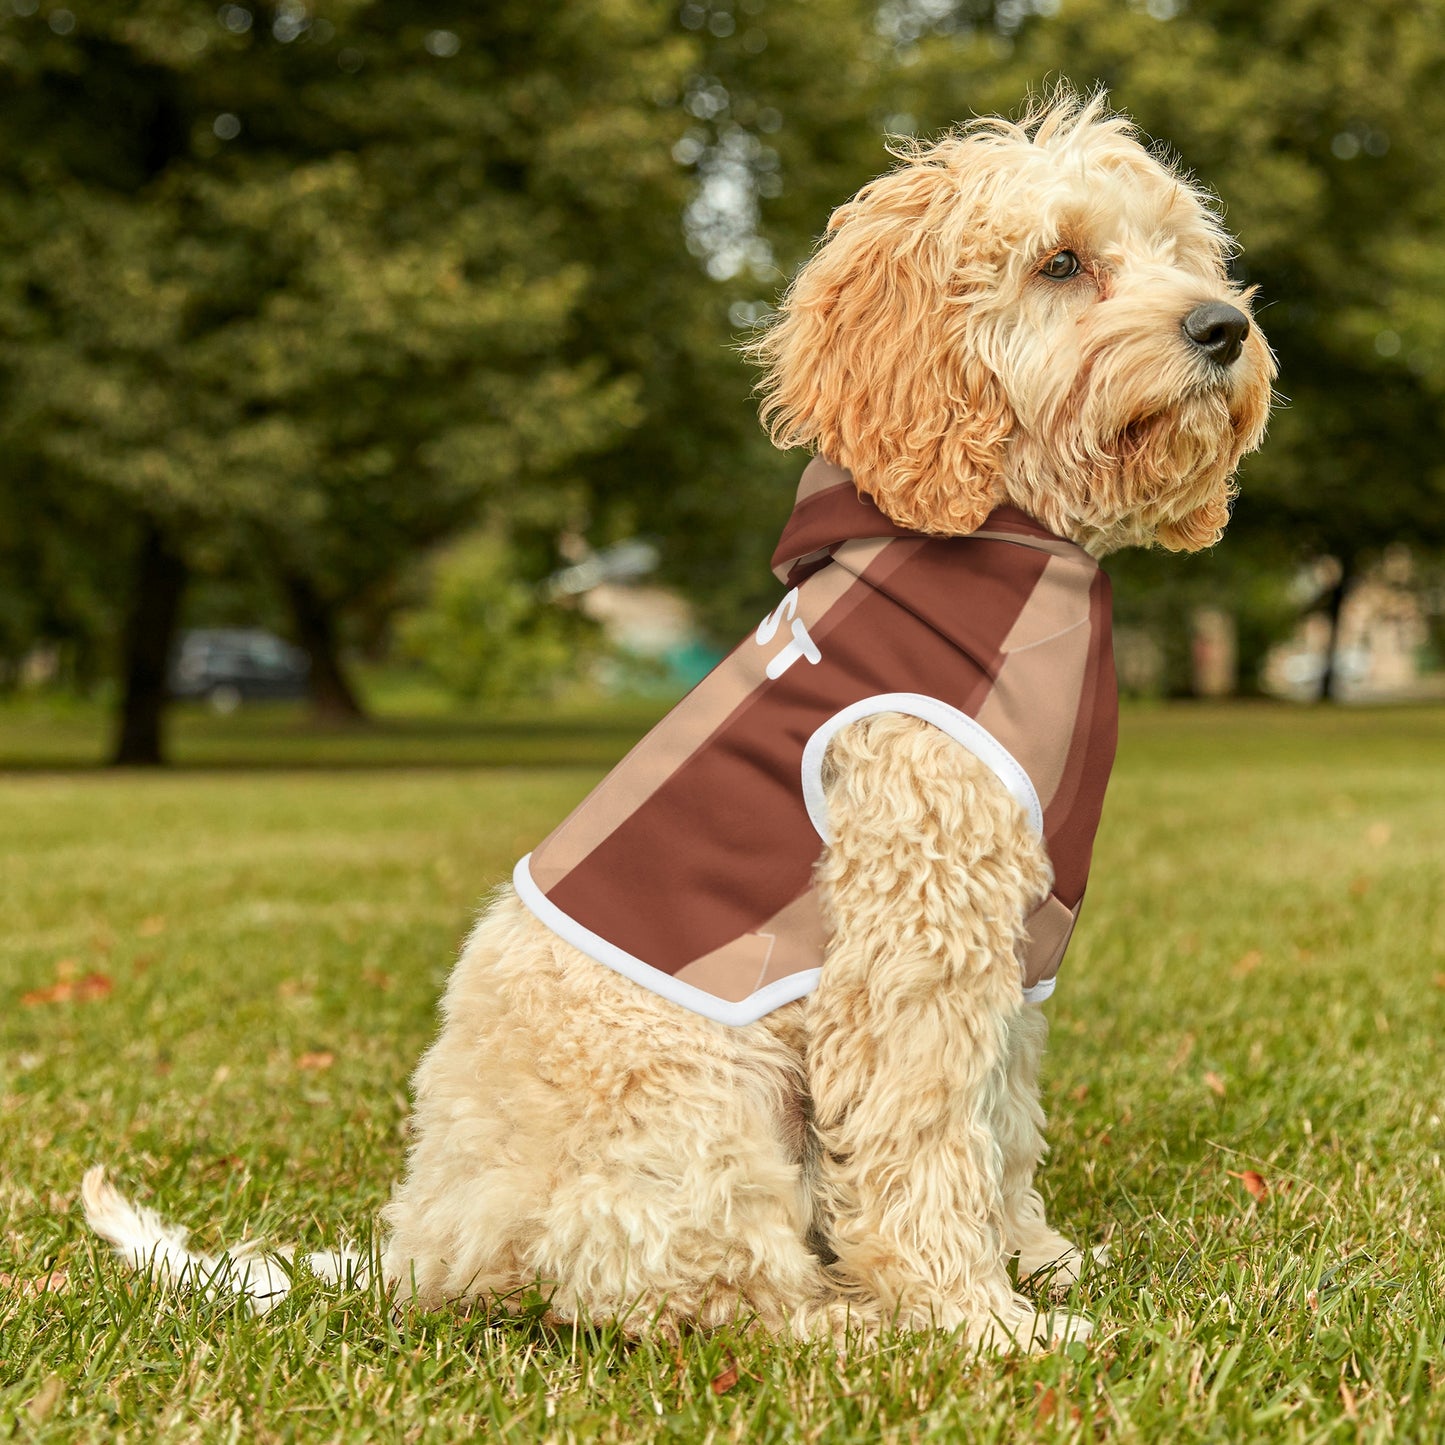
(1043, 1253)
(930, 874)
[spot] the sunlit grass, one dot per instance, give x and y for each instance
(252, 959)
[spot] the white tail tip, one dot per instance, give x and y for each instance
(147, 1243)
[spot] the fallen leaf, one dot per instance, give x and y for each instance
(1254, 1182)
(320, 1059)
(56, 993)
(1080, 1094)
(45, 1399)
(1181, 1054)
(1046, 1407)
(151, 927)
(1248, 963)
(56, 1282)
(83, 990)
(724, 1382)
(1440, 980)
(1214, 1083)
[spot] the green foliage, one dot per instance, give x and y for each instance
(485, 633)
(317, 286)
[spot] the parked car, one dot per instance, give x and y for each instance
(230, 665)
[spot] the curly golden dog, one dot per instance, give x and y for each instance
(1033, 316)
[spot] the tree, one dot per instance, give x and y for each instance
(306, 287)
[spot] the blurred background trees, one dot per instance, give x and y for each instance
(293, 295)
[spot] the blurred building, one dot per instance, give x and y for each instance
(1382, 650)
(653, 632)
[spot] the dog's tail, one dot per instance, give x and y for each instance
(147, 1243)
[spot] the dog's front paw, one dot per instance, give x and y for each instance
(1023, 1326)
(1057, 1268)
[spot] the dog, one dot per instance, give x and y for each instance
(1015, 352)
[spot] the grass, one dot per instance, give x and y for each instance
(230, 971)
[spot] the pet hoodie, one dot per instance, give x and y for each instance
(689, 867)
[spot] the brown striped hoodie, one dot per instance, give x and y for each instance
(689, 867)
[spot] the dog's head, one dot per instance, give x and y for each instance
(1036, 313)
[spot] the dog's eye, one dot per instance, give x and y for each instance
(1060, 266)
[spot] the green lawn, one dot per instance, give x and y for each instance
(216, 980)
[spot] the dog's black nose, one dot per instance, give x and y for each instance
(1218, 331)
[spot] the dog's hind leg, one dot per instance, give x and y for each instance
(930, 874)
(577, 1135)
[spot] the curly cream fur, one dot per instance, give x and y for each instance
(866, 1156)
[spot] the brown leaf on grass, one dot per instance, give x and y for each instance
(1080, 1094)
(317, 1060)
(724, 1382)
(1254, 1183)
(1248, 963)
(377, 978)
(1440, 980)
(1046, 1407)
(1181, 1054)
(56, 1282)
(1214, 1083)
(151, 927)
(66, 990)
(45, 1399)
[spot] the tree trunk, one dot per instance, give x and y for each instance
(150, 629)
(1335, 605)
(333, 699)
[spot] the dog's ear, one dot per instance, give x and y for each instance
(874, 359)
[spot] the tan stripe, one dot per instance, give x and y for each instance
(1050, 927)
(1072, 816)
(1033, 707)
(687, 728)
(818, 476)
(790, 942)
(1058, 546)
